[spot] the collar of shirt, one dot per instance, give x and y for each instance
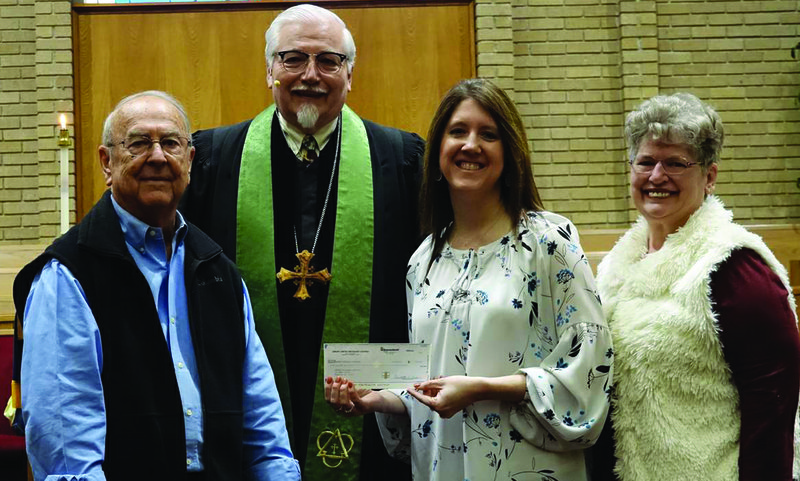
(295, 138)
(137, 233)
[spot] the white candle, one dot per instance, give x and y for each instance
(64, 153)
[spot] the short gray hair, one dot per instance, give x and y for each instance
(305, 13)
(680, 118)
(112, 117)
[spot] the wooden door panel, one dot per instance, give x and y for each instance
(213, 62)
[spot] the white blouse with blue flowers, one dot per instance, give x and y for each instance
(525, 303)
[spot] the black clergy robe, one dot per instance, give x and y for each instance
(299, 192)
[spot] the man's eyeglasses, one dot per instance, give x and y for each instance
(142, 144)
(296, 61)
(645, 165)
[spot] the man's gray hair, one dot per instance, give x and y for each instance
(680, 118)
(112, 117)
(306, 13)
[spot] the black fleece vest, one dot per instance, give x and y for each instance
(144, 416)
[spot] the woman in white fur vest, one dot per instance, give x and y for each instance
(707, 355)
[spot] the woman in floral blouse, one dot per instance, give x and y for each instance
(521, 355)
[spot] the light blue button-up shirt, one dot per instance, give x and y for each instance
(62, 362)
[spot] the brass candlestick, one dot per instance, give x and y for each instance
(63, 138)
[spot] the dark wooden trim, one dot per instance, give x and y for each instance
(80, 208)
(256, 5)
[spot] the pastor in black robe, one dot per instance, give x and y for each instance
(299, 192)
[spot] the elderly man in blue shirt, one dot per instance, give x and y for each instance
(140, 355)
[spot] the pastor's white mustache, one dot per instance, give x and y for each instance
(309, 88)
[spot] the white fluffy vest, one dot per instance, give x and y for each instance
(676, 408)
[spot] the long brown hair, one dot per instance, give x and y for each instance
(518, 193)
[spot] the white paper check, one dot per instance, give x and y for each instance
(378, 366)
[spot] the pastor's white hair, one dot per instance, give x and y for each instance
(307, 13)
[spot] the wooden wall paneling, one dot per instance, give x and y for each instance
(420, 54)
(213, 61)
(782, 239)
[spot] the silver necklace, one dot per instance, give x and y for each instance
(327, 194)
(304, 273)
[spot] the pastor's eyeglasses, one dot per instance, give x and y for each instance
(296, 61)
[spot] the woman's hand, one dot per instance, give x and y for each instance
(344, 398)
(446, 395)
(449, 395)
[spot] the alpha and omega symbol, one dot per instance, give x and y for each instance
(332, 448)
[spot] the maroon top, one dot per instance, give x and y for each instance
(761, 345)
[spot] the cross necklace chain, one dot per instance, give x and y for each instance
(304, 273)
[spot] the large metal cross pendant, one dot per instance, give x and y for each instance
(304, 273)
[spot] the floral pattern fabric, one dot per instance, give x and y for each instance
(525, 303)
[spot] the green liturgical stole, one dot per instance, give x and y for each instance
(334, 445)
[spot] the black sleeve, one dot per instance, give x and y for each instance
(413, 159)
(210, 200)
(397, 161)
(600, 458)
